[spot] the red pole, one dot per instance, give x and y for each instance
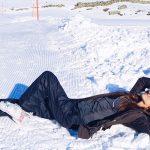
(37, 9)
(33, 14)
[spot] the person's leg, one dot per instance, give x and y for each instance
(140, 85)
(46, 98)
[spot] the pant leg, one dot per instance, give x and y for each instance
(46, 98)
(140, 85)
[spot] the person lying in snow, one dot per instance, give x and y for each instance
(46, 98)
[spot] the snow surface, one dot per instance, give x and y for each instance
(88, 54)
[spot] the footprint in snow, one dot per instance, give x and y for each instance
(114, 88)
(92, 79)
(83, 47)
(146, 71)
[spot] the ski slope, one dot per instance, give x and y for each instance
(88, 55)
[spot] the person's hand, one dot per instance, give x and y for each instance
(146, 99)
(145, 103)
(142, 105)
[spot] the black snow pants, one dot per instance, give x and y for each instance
(46, 98)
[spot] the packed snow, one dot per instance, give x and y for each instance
(90, 53)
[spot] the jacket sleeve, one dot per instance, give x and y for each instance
(112, 95)
(140, 85)
(97, 109)
(140, 125)
(135, 119)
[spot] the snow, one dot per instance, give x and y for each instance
(90, 53)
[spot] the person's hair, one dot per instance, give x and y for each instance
(129, 101)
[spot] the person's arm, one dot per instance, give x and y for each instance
(112, 95)
(140, 85)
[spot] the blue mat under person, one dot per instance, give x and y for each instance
(17, 91)
(46, 98)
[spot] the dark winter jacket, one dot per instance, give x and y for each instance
(135, 118)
